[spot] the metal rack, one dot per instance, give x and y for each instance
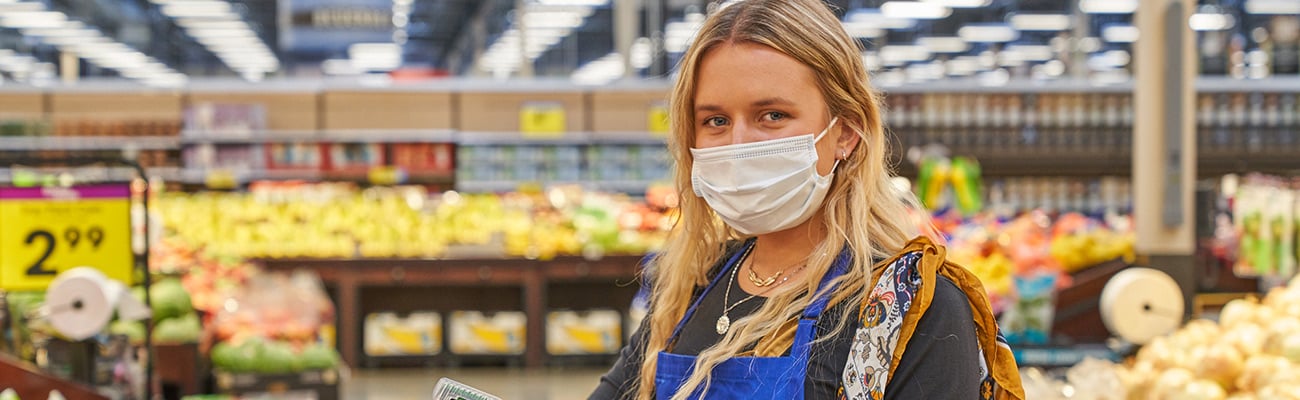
(141, 260)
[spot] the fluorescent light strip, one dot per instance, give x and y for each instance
(960, 3)
(862, 30)
(1032, 52)
(210, 23)
(1273, 7)
(196, 8)
(10, 7)
(586, 3)
(1211, 22)
(75, 37)
(33, 19)
(1120, 33)
(875, 19)
(600, 71)
(546, 24)
(1040, 22)
(987, 33)
(914, 10)
(940, 44)
(214, 24)
(1110, 6)
(904, 53)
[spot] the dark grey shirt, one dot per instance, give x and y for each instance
(941, 360)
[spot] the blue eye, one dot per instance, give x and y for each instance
(715, 121)
(774, 116)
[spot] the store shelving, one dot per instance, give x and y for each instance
(499, 186)
(78, 143)
(323, 136)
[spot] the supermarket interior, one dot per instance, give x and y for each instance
(353, 199)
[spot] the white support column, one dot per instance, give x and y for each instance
(1164, 141)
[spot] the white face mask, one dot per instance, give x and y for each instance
(762, 187)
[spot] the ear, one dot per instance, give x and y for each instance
(849, 136)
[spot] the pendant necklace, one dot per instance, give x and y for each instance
(724, 322)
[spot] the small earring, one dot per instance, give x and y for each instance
(844, 154)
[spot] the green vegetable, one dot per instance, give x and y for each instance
(319, 356)
(178, 330)
(242, 358)
(170, 299)
(277, 357)
(133, 330)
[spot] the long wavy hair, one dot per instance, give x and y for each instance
(863, 210)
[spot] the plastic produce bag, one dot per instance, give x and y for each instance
(1029, 319)
(276, 323)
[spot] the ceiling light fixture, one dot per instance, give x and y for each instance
(1273, 7)
(960, 3)
(1120, 33)
(1211, 22)
(944, 44)
(1108, 6)
(914, 10)
(988, 33)
(1040, 22)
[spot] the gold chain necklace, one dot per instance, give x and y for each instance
(724, 322)
(754, 279)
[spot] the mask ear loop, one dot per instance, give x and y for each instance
(823, 134)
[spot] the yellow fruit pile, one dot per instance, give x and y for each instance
(1081, 250)
(342, 222)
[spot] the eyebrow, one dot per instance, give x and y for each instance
(759, 103)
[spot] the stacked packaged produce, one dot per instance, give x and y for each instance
(1265, 212)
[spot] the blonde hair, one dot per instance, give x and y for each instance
(863, 210)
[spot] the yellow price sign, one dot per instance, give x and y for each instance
(657, 120)
(386, 175)
(47, 230)
(220, 179)
(542, 120)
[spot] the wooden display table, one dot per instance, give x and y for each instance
(32, 383)
(360, 286)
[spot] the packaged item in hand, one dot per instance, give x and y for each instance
(448, 389)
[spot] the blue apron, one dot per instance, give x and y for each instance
(748, 378)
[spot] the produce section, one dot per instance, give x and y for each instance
(461, 187)
(298, 220)
(1250, 351)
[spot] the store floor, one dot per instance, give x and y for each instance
(507, 383)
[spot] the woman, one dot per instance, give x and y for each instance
(792, 272)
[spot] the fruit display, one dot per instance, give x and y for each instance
(275, 307)
(209, 277)
(272, 357)
(1032, 244)
(274, 324)
(175, 320)
(329, 220)
(1251, 352)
